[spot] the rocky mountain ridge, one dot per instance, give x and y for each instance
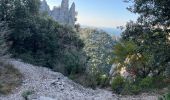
(62, 14)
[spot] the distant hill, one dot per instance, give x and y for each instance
(112, 31)
(109, 30)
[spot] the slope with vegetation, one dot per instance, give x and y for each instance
(38, 39)
(10, 78)
(142, 52)
(143, 49)
(98, 47)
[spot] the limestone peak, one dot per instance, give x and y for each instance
(65, 4)
(44, 7)
(61, 14)
(73, 5)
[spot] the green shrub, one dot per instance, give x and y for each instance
(146, 83)
(122, 86)
(118, 84)
(131, 88)
(26, 93)
(135, 89)
(94, 80)
(10, 78)
(40, 40)
(91, 80)
(165, 97)
(103, 80)
(74, 61)
(98, 47)
(49, 44)
(168, 71)
(158, 82)
(85, 79)
(127, 88)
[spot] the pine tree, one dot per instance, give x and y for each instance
(151, 31)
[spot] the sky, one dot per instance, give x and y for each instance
(100, 13)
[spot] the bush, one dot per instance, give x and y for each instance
(131, 88)
(118, 84)
(98, 47)
(74, 62)
(50, 44)
(165, 97)
(158, 82)
(40, 40)
(103, 80)
(91, 80)
(27, 93)
(135, 89)
(123, 86)
(10, 78)
(146, 83)
(127, 88)
(85, 79)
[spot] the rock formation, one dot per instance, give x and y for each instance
(44, 7)
(62, 14)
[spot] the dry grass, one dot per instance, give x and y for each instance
(10, 78)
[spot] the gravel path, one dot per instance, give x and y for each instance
(45, 84)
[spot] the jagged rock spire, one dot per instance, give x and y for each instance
(62, 14)
(65, 4)
(44, 7)
(72, 7)
(72, 15)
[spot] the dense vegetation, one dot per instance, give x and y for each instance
(143, 50)
(38, 39)
(98, 48)
(4, 31)
(141, 57)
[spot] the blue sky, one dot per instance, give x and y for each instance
(100, 13)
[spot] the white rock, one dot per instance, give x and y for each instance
(39, 80)
(62, 14)
(45, 98)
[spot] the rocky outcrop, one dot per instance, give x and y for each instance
(62, 14)
(44, 7)
(72, 15)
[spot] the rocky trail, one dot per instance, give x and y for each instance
(43, 84)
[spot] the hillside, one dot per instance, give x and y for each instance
(41, 83)
(48, 55)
